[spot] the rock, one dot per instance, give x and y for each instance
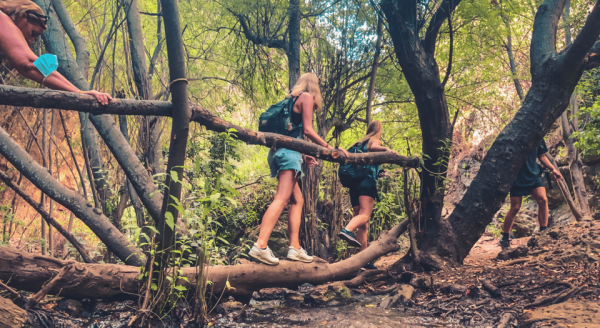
(524, 225)
(268, 294)
(448, 288)
(306, 288)
(590, 159)
(555, 197)
(596, 216)
(532, 242)
(561, 215)
(267, 307)
(406, 292)
(421, 282)
(229, 307)
(294, 299)
(513, 253)
(336, 291)
(111, 307)
(71, 307)
(402, 294)
(569, 314)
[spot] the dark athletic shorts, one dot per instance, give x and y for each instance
(367, 187)
(519, 191)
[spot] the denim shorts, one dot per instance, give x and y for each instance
(284, 159)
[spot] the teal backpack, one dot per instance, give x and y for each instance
(352, 174)
(278, 119)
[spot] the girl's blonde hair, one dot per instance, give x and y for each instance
(17, 9)
(308, 82)
(373, 132)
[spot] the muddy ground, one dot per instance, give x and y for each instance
(548, 280)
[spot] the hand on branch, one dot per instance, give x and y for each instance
(346, 153)
(391, 151)
(556, 174)
(103, 98)
(311, 161)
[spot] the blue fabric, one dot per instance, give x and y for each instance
(284, 159)
(531, 170)
(530, 175)
(46, 63)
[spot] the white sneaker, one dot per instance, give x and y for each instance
(299, 255)
(264, 255)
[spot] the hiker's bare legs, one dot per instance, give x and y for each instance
(287, 182)
(515, 206)
(539, 195)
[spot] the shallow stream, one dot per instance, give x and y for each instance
(357, 315)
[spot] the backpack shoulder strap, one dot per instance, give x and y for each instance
(364, 145)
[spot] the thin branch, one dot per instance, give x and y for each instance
(449, 68)
(47, 217)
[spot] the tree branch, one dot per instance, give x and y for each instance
(83, 56)
(442, 14)
(73, 201)
(585, 40)
(543, 39)
(38, 207)
(41, 98)
(271, 43)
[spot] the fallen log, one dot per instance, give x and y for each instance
(56, 283)
(26, 271)
(11, 316)
(44, 98)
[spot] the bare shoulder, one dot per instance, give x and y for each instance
(306, 96)
(374, 143)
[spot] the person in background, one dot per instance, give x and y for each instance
(529, 181)
(363, 194)
(286, 165)
(21, 22)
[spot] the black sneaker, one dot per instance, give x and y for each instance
(349, 237)
(369, 266)
(504, 244)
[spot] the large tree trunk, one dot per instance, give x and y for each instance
(416, 57)
(26, 271)
(180, 125)
(554, 78)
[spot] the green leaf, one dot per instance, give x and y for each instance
(175, 176)
(215, 197)
(180, 288)
(169, 221)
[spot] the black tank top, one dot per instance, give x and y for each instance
(296, 118)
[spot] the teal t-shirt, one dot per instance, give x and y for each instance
(531, 171)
